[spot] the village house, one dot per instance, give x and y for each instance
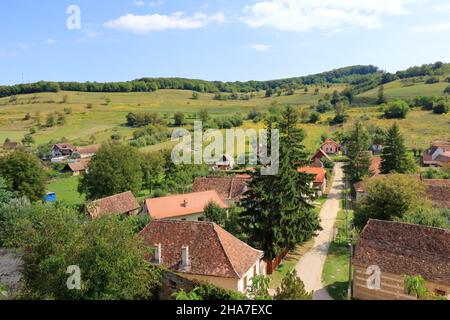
(437, 155)
(225, 163)
(62, 150)
(400, 249)
(330, 146)
(87, 151)
(185, 207)
(320, 181)
(124, 203)
(230, 189)
(320, 155)
(203, 251)
(78, 167)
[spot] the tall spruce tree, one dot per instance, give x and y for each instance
(278, 212)
(394, 157)
(358, 143)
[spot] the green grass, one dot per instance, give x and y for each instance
(335, 270)
(66, 190)
(401, 90)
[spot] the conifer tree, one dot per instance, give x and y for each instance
(278, 212)
(394, 157)
(358, 143)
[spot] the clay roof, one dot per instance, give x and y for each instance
(88, 149)
(402, 248)
(182, 204)
(78, 166)
(439, 191)
(117, 204)
(319, 173)
(441, 144)
(375, 165)
(329, 140)
(227, 187)
(212, 250)
(321, 154)
(64, 146)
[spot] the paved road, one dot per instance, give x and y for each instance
(310, 266)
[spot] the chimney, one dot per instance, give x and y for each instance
(157, 257)
(185, 256)
(185, 203)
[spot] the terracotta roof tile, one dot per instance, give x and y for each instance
(212, 250)
(439, 191)
(182, 204)
(117, 204)
(228, 188)
(402, 248)
(329, 140)
(319, 173)
(81, 165)
(88, 149)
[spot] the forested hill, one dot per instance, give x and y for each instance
(359, 78)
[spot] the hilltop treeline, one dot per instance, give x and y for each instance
(360, 78)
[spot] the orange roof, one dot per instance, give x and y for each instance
(375, 166)
(318, 172)
(117, 204)
(182, 204)
(329, 140)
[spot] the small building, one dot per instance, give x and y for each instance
(77, 168)
(87, 151)
(400, 249)
(320, 155)
(50, 197)
(230, 189)
(123, 203)
(185, 207)
(320, 180)
(375, 165)
(203, 251)
(225, 163)
(437, 155)
(62, 150)
(331, 147)
(376, 148)
(10, 145)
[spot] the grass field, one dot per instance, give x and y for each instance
(335, 269)
(66, 190)
(85, 125)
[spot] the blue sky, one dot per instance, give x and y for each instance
(216, 39)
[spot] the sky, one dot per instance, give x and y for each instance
(227, 40)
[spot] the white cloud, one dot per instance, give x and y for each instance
(305, 15)
(444, 8)
(50, 41)
(260, 47)
(437, 27)
(158, 22)
(138, 2)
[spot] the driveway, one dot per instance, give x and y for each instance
(310, 266)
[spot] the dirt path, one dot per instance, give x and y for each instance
(310, 266)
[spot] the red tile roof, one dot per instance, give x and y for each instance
(402, 248)
(321, 154)
(117, 204)
(212, 250)
(228, 188)
(64, 146)
(81, 165)
(375, 165)
(329, 140)
(182, 204)
(88, 149)
(319, 173)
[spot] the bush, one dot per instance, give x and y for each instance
(432, 80)
(426, 103)
(314, 117)
(396, 109)
(292, 288)
(440, 107)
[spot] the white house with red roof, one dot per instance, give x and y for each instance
(330, 146)
(203, 251)
(320, 181)
(185, 207)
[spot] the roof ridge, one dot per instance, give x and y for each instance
(114, 195)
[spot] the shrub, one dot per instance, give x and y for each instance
(440, 107)
(396, 109)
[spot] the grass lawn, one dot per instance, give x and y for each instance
(66, 190)
(335, 270)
